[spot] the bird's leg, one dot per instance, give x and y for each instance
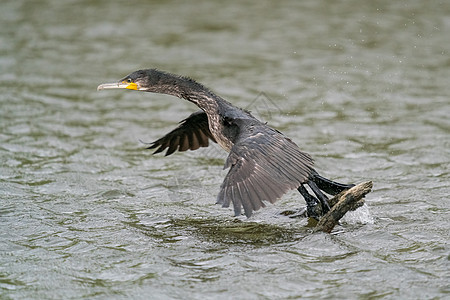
(323, 199)
(312, 208)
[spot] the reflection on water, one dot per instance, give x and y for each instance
(87, 212)
(225, 232)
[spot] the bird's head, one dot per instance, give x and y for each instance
(149, 80)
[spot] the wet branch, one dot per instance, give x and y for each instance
(340, 204)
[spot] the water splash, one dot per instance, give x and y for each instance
(360, 216)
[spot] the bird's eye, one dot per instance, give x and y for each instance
(129, 80)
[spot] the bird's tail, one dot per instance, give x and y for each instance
(329, 186)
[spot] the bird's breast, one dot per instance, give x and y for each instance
(217, 129)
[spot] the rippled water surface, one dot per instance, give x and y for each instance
(87, 212)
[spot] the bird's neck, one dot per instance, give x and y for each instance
(190, 90)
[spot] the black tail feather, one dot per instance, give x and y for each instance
(329, 186)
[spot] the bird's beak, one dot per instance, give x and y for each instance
(118, 85)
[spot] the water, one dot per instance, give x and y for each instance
(87, 212)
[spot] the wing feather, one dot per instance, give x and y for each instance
(184, 143)
(192, 133)
(264, 165)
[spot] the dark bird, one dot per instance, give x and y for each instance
(264, 164)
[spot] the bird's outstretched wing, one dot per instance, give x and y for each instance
(192, 133)
(264, 165)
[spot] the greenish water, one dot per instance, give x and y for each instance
(87, 212)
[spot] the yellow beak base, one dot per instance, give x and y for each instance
(131, 86)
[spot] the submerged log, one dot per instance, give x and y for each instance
(340, 204)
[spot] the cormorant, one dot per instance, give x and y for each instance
(264, 164)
